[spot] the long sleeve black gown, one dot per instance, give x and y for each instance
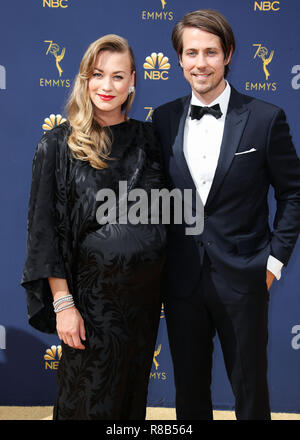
(113, 271)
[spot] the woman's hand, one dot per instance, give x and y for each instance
(69, 323)
(70, 328)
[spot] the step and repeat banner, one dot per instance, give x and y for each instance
(42, 43)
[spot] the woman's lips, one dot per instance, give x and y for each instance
(106, 97)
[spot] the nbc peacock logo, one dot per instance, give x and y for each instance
(52, 357)
(52, 121)
(156, 66)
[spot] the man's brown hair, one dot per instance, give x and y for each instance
(210, 21)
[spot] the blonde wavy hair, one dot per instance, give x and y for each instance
(89, 141)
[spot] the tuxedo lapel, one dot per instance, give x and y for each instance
(236, 119)
(177, 135)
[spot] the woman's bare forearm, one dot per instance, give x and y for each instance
(59, 287)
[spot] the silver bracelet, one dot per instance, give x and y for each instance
(68, 306)
(64, 299)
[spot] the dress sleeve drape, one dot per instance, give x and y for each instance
(43, 258)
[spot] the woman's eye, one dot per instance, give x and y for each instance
(97, 75)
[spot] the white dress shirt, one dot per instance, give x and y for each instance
(202, 158)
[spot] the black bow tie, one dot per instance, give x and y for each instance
(197, 112)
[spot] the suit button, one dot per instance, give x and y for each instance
(209, 243)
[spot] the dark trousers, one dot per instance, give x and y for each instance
(241, 321)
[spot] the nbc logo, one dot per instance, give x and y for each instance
(52, 121)
(55, 3)
(52, 357)
(266, 6)
(156, 66)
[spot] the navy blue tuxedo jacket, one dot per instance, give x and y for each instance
(237, 236)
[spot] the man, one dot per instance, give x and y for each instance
(218, 281)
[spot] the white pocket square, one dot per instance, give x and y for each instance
(245, 152)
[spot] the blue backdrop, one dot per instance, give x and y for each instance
(42, 43)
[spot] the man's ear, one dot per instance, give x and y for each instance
(180, 61)
(228, 59)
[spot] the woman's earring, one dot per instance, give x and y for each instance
(131, 90)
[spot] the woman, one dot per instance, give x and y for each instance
(97, 284)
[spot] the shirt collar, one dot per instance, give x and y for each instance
(222, 100)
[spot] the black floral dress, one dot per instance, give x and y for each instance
(113, 270)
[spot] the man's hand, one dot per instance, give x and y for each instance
(269, 279)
